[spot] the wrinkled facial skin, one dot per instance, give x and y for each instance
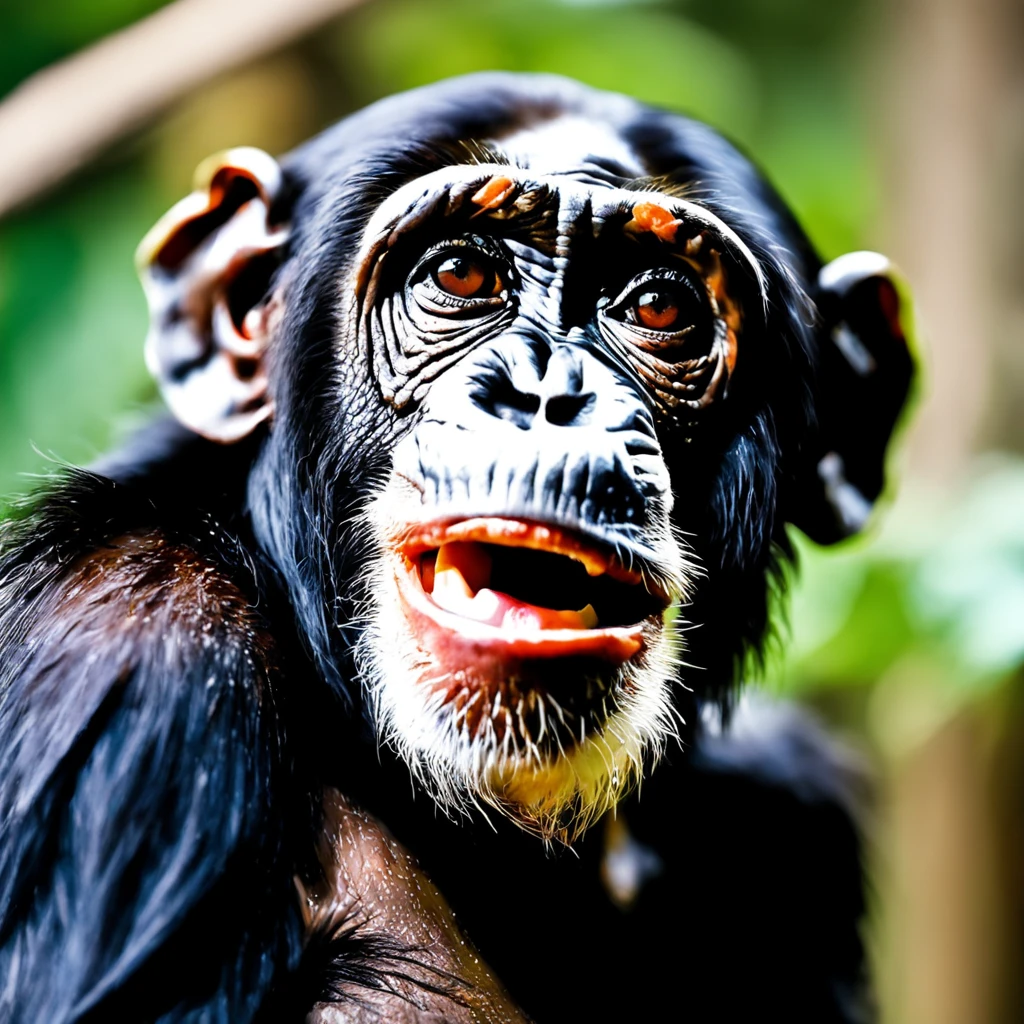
(526, 372)
(542, 338)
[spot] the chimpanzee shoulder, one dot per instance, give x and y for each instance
(147, 804)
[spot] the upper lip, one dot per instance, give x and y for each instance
(598, 557)
(539, 593)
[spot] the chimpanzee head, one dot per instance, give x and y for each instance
(541, 374)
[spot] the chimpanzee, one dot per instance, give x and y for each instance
(490, 407)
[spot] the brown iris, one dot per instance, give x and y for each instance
(658, 310)
(467, 277)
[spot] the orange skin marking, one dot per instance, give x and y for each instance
(656, 219)
(491, 195)
(730, 352)
(713, 273)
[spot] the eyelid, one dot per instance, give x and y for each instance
(672, 274)
(484, 246)
(425, 291)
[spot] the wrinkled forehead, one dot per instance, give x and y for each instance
(552, 210)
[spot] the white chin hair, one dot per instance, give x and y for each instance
(555, 795)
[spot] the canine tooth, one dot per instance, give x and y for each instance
(451, 588)
(585, 618)
(469, 559)
(594, 566)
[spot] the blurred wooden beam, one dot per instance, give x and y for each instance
(943, 105)
(63, 116)
(949, 90)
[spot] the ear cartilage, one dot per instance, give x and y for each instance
(207, 366)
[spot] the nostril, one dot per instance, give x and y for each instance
(568, 410)
(518, 409)
(508, 403)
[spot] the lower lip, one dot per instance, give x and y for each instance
(443, 631)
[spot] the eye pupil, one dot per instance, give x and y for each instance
(657, 310)
(463, 277)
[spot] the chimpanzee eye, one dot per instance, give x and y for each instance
(663, 301)
(466, 276)
(460, 279)
(657, 309)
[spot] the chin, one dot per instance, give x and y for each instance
(521, 664)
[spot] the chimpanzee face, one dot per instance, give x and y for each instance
(549, 334)
(547, 339)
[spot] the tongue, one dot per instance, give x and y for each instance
(461, 575)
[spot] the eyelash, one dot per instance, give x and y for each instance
(422, 273)
(618, 307)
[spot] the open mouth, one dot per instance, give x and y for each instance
(525, 589)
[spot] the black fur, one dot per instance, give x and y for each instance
(168, 623)
(142, 758)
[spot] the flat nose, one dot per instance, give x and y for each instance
(567, 403)
(549, 387)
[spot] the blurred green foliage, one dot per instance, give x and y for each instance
(937, 594)
(71, 323)
(35, 34)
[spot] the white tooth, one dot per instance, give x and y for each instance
(589, 616)
(454, 594)
(451, 591)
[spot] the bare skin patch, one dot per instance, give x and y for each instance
(656, 219)
(494, 193)
(426, 969)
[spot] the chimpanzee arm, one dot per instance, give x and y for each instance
(143, 868)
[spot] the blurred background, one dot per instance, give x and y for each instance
(896, 126)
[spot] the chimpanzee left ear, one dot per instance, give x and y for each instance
(866, 372)
(206, 268)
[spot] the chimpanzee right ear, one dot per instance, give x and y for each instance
(865, 375)
(206, 268)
